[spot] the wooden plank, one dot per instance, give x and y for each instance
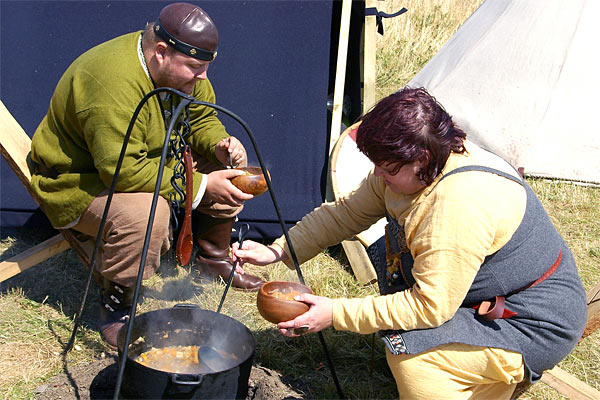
(340, 75)
(593, 314)
(15, 145)
(32, 256)
(593, 295)
(359, 261)
(569, 386)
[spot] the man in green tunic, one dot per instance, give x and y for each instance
(76, 147)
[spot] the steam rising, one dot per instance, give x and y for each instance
(194, 323)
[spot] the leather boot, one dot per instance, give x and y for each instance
(213, 238)
(115, 305)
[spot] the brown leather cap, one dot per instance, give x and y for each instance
(188, 29)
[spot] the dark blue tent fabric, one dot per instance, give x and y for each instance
(272, 70)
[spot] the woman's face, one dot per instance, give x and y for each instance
(405, 181)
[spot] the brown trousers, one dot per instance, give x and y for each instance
(120, 252)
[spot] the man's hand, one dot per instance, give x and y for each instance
(220, 189)
(233, 146)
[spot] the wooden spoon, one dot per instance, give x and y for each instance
(185, 242)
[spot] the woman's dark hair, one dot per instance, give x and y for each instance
(407, 126)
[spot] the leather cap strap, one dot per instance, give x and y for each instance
(192, 51)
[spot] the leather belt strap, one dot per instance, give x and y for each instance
(494, 309)
(546, 274)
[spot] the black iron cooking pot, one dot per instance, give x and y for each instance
(187, 325)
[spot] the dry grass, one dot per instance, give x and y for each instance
(410, 40)
(35, 320)
(36, 307)
(32, 338)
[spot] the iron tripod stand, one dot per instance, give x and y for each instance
(175, 114)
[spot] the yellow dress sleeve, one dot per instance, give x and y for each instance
(333, 222)
(449, 233)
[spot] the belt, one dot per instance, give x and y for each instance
(41, 169)
(494, 309)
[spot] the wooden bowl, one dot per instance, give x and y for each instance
(273, 305)
(253, 181)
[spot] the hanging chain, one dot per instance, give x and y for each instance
(177, 146)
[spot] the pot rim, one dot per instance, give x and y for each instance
(174, 375)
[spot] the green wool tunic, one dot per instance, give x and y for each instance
(81, 136)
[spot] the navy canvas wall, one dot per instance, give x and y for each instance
(272, 70)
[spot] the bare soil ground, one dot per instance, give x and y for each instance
(97, 380)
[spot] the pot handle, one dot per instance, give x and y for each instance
(186, 305)
(175, 379)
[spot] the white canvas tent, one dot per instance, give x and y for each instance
(522, 78)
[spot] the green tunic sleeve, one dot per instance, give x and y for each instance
(207, 129)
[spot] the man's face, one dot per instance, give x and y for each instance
(179, 71)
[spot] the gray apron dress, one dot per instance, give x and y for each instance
(545, 308)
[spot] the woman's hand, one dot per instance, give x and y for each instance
(317, 318)
(233, 146)
(256, 253)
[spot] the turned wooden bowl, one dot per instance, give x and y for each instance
(275, 301)
(253, 181)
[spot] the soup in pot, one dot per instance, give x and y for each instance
(177, 359)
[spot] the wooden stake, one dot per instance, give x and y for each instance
(569, 386)
(593, 314)
(359, 261)
(369, 59)
(33, 256)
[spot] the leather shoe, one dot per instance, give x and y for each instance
(110, 322)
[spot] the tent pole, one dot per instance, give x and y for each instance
(340, 75)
